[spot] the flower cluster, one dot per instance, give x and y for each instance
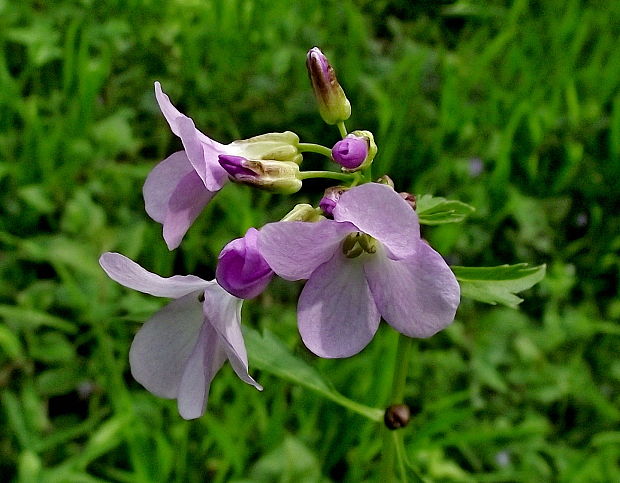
(360, 252)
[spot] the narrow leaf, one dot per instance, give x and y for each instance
(434, 210)
(268, 353)
(495, 285)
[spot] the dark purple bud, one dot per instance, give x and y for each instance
(397, 416)
(350, 152)
(241, 269)
(234, 165)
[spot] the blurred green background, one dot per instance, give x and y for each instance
(512, 106)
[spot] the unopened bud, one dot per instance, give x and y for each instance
(333, 103)
(385, 179)
(275, 176)
(350, 152)
(397, 416)
(275, 146)
(241, 270)
(409, 198)
(303, 212)
(356, 151)
(330, 199)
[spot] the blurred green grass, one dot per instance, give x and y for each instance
(513, 107)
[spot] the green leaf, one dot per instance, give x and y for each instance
(433, 210)
(269, 354)
(495, 285)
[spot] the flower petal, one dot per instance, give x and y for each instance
(202, 151)
(378, 210)
(223, 312)
(170, 112)
(161, 348)
(161, 183)
(418, 296)
(336, 313)
(206, 359)
(294, 249)
(185, 204)
(128, 273)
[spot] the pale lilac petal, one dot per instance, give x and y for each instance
(185, 204)
(223, 312)
(336, 313)
(128, 273)
(294, 249)
(202, 151)
(189, 136)
(161, 348)
(418, 296)
(161, 183)
(202, 365)
(378, 210)
(170, 112)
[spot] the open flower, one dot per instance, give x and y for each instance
(178, 351)
(368, 262)
(179, 187)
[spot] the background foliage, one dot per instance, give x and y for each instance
(512, 106)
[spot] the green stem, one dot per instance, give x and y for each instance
(399, 380)
(328, 174)
(314, 148)
(343, 129)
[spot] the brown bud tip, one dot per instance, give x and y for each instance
(409, 198)
(397, 416)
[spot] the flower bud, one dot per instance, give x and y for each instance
(356, 151)
(241, 269)
(276, 176)
(385, 179)
(333, 103)
(303, 212)
(330, 198)
(409, 198)
(397, 416)
(350, 152)
(275, 146)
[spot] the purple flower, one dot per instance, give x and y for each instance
(368, 262)
(178, 351)
(179, 187)
(350, 152)
(241, 269)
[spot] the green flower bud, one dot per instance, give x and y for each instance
(303, 212)
(333, 103)
(276, 146)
